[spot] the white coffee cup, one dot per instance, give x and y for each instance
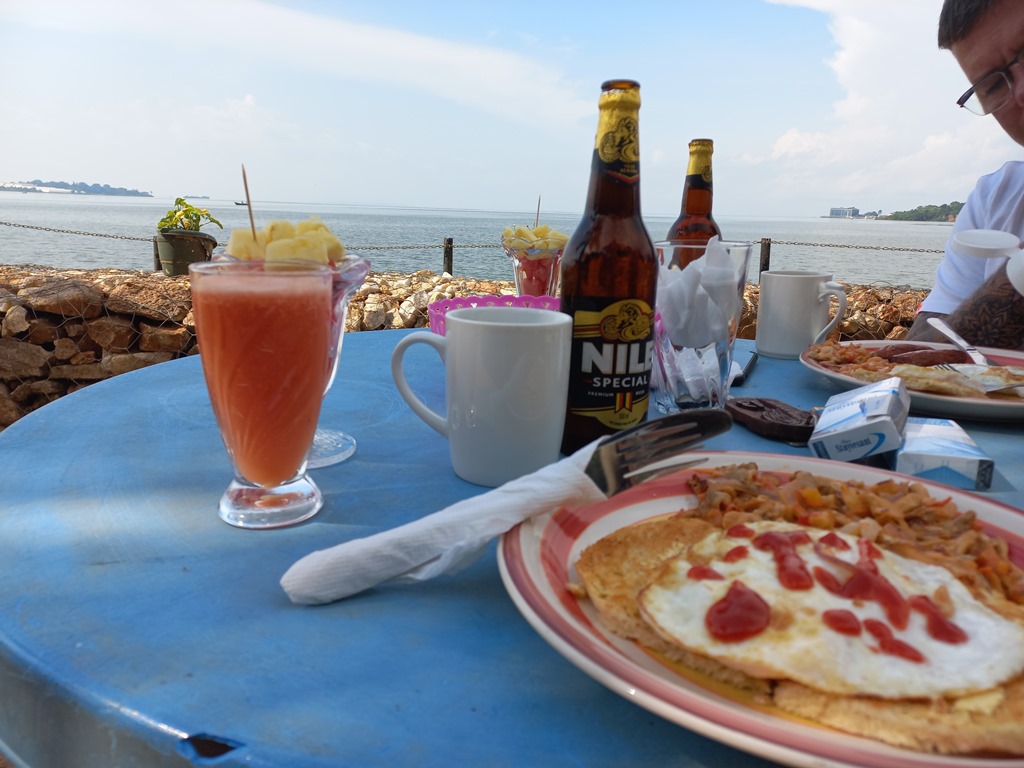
(792, 312)
(506, 382)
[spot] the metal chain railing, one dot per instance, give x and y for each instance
(854, 245)
(483, 245)
(74, 232)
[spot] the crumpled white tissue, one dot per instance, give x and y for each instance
(443, 542)
(697, 304)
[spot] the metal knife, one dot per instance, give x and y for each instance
(959, 341)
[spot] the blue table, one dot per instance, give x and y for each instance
(137, 629)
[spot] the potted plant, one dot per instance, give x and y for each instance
(180, 242)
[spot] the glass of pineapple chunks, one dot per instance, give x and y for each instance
(536, 254)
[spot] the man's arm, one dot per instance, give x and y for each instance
(992, 316)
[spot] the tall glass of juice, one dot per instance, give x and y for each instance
(265, 333)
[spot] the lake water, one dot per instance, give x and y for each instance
(117, 232)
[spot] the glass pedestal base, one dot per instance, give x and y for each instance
(330, 446)
(244, 505)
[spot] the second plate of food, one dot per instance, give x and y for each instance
(990, 407)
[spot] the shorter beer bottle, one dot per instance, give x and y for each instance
(609, 278)
(695, 223)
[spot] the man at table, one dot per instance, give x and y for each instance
(984, 298)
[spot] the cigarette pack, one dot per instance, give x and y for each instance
(940, 450)
(862, 422)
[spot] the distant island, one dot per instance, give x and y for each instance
(75, 188)
(946, 212)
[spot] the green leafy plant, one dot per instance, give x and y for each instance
(184, 215)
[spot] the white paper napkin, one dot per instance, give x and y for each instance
(697, 303)
(444, 542)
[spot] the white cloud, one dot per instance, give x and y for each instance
(897, 135)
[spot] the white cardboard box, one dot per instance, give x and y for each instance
(862, 422)
(940, 450)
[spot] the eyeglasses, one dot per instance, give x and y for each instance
(994, 91)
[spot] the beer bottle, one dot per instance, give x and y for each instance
(695, 223)
(609, 276)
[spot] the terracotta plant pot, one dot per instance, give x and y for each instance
(177, 248)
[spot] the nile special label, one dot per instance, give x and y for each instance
(612, 350)
(618, 145)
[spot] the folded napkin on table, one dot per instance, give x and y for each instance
(444, 542)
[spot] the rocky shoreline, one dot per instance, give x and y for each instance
(61, 330)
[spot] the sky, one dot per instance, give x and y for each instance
(477, 104)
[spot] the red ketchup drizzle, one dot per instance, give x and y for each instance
(790, 567)
(699, 572)
(735, 554)
(834, 540)
(888, 644)
(740, 614)
(866, 583)
(740, 532)
(843, 622)
(939, 627)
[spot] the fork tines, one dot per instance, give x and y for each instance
(659, 442)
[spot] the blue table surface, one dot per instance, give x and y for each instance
(137, 629)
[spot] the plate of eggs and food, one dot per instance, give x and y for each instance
(811, 612)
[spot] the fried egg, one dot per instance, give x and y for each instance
(853, 619)
(927, 379)
(1006, 378)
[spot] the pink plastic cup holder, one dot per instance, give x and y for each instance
(439, 309)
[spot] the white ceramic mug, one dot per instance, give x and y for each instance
(792, 311)
(506, 382)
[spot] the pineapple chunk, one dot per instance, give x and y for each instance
(539, 238)
(280, 240)
(241, 245)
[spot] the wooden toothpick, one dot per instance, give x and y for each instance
(248, 203)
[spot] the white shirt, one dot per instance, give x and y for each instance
(997, 202)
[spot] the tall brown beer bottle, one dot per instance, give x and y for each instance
(609, 279)
(695, 223)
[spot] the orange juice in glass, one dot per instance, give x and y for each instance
(265, 340)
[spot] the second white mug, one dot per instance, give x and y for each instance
(506, 381)
(792, 311)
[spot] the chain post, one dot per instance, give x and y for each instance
(449, 250)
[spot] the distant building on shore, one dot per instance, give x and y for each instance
(843, 213)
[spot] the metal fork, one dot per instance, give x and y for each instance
(653, 448)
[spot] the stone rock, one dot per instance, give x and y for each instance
(65, 349)
(164, 338)
(90, 372)
(21, 360)
(15, 321)
(375, 314)
(158, 300)
(42, 330)
(116, 364)
(409, 314)
(66, 298)
(113, 334)
(10, 411)
(48, 389)
(82, 358)
(8, 300)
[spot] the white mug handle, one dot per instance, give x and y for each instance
(826, 290)
(440, 343)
